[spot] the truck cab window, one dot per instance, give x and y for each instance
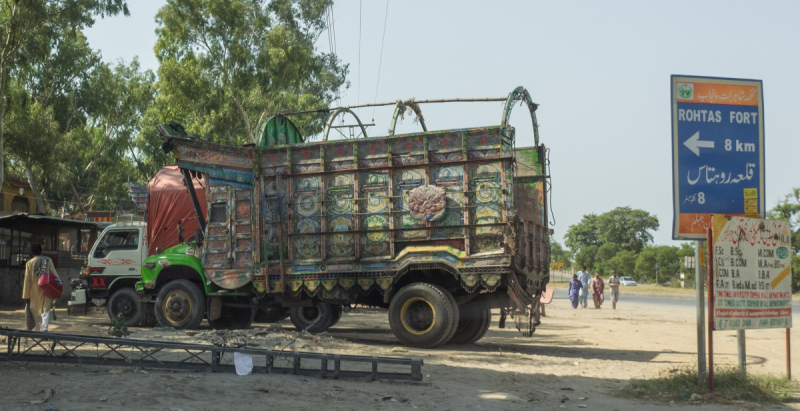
(117, 240)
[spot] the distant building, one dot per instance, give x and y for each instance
(17, 196)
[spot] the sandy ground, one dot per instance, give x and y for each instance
(575, 353)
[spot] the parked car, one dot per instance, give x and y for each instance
(627, 281)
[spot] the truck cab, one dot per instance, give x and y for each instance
(114, 265)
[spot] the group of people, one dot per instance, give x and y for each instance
(580, 286)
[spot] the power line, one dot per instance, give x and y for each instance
(380, 61)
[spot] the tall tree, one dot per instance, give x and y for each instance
(19, 20)
(789, 210)
(628, 228)
(227, 64)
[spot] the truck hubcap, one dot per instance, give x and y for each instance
(177, 306)
(124, 306)
(417, 316)
(309, 314)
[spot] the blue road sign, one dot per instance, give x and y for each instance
(717, 151)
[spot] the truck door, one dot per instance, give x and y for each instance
(229, 255)
(117, 253)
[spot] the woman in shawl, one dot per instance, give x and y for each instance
(597, 290)
(574, 287)
(31, 293)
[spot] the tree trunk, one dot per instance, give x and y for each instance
(36, 193)
(77, 197)
(2, 122)
(246, 119)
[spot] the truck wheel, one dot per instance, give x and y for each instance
(271, 315)
(423, 315)
(233, 318)
(304, 317)
(473, 322)
(180, 304)
(336, 315)
(125, 301)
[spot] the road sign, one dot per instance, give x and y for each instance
(717, 151)
(752, 283)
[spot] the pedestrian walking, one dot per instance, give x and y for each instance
(613, 283)
(574, 287)
(35, 299)
(584, 277)
(597, 290)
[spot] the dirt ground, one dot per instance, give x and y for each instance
(574, 353)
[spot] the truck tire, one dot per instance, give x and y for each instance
(233, 318)
(271, 315)
(304, 317)
(473, 322)
(180, 304)
(125, 301)
(423, 315)
(336, 315)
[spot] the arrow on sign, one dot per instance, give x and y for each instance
(694, 143)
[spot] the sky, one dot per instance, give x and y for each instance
(599, 70)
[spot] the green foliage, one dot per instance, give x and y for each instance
(624, 263)
(228, 64)
(118, 327)
(789, 210)
(666, 256)
(560, 254)
(587, 256)
(628, 228)
(729, 385)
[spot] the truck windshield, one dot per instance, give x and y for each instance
(117, 240)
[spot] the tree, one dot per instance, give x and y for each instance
(789, 210)
(587, 256)
(624, 263)
(628, 228)
(583, 234)
(227, 64)
(23, 23)
(560, 254)
(665, 256)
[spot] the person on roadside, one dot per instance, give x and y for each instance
(584, 277)
(574, 287)
(613, 283)
(598, 286)
(34, 297)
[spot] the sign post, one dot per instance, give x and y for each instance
(749, 279)
(717, 163)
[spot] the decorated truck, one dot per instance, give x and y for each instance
(439, 227)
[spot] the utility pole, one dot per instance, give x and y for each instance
(656, 267)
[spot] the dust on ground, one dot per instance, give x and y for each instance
(576, 354)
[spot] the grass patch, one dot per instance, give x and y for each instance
(730, 386)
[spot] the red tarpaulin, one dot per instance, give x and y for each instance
(169, 202)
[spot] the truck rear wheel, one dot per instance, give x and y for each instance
(423, 315)
(336, 315)
(473, 322)
(125, 301)
(319, 315)
(180, 304)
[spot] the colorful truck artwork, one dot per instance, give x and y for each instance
(439, 227)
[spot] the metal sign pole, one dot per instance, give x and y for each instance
(710, 287)
(742, 351)
(701, 317)
(788, 356)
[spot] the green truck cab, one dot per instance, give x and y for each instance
(439, 227)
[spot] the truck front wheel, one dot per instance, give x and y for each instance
(125, 301)
(180, 304)
(423, 315)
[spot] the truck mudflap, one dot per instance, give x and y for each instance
(527, 313)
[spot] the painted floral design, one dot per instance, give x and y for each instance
(427, 202)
